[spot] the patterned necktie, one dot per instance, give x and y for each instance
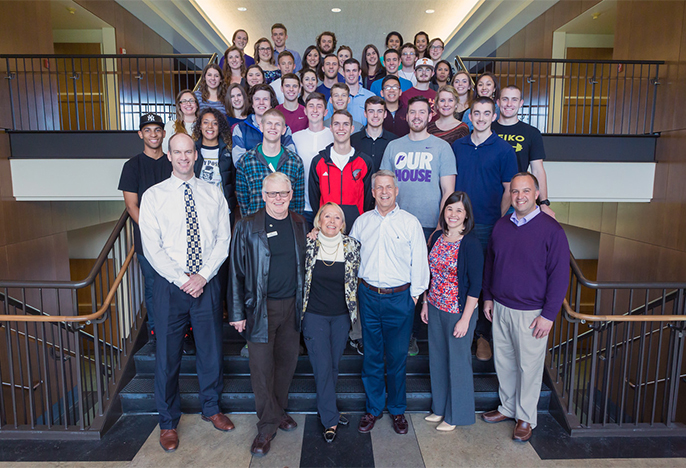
(193, 249)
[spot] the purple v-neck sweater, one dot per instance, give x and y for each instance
(527, 267)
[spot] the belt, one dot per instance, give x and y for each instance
(398, 289)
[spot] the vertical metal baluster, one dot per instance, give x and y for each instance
(655, 84)
(101, 96)
(35, 95)
(645, 110)
(631, 96)
(607, 100)
(575, 343)
(593, 83)
(639, 366)
(658, 356)
(10, 362)
(638, 98)
(83, 96)
(11, 100)
(130, 104)
(29, 377)
(63, 378)
(90, 89)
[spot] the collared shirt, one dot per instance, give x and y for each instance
(296, 59)
(393, 250)
(308, 144)
(356, 105)
(521, 222)
(162, 220)
(374, 148)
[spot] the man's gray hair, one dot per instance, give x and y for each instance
(277, 177)
(385, 173)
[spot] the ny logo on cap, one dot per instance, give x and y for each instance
(151, 118)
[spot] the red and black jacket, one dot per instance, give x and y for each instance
(350, 188)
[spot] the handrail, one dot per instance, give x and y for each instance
(554, 60)
(620, 318)
(88, 280)
(77, 318)
(211, 61)
(616, 284)
(103, 56)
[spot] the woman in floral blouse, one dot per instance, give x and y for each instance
(329, 307)
(456, 262)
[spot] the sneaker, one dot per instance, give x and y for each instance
(357, 346)
(244, 351)
(152, 338)
(413, 349)
(189, 343)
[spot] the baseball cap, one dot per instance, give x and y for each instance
(150, 118)
(424, 62)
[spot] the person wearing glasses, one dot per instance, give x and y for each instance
(186, 113)
(408, 57)
(265, 158)
(395, 120)
(267, 279)
(264, 56)
(435, 48)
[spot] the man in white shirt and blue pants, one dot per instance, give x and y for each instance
(185, 230)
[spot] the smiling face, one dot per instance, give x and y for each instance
(435, 50)
(391, 91)
(273, 127)
(485, 87)
(261, 102)
(152, 136)
(286, 65)
(408, 57)
(455, 216)
(326, 44)
(384, 192)
(241, 40)
(188, 104)
(372, 57)
(446, 104)
(523, 195)
(279, 37)
(315, 110)
(510, 102)
(265, 51)
(352, 74)
(330, 221)
(209, 126)
(421, 43)
(442, 72)
(341, 127)
(343, 55)
(254, 76)
(375, 114)
(461, 83)
(393, 42)
(313, 59)
(423, 74)
(182, 155)
(331, 67)
(482, 116)
(418, 114)
(310, 82)
(276, 207)
(237, 100)
(234, 59)
(392, 62)
(291, 89)
(212, 78)
(339, 99)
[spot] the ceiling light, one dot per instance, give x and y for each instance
(242, 8)
(336, 10)
(430, 11)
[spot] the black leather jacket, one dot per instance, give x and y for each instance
(249, 269)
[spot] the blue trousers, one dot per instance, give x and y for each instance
(149, 275)
(175, 310)
(386, 327)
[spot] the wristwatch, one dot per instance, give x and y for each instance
(544, 202)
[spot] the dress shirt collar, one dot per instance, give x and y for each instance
(521, 222)
(383, 136)
(392, 212)
(176, 182)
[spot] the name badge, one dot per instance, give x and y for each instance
(272, 234)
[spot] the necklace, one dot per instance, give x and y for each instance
(329, 254)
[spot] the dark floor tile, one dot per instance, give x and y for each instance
(121, 443)
(349, 449)
(552, 442)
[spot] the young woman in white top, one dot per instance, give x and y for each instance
(186, 114)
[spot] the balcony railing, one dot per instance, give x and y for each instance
(617, 371)
(61, 365)
(93, 92)
(590, 97)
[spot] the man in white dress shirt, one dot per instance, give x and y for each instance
(185, 230)
(394, 272)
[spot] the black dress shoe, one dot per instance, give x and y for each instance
(330, 434)
(343, 421)
(400, 424)
(367, 422)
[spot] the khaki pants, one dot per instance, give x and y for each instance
(519, 359)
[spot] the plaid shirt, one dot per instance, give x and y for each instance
(251, 171)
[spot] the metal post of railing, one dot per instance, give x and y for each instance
(10, 76)
(656, 83)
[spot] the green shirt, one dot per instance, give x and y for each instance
(272, 161)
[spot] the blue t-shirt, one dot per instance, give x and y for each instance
(481, 172)
(376, 86)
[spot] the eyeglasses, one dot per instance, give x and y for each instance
(263, 49)
(408, 54)
(436, 47)
(280, 194)
(187, 101)
(391, 88)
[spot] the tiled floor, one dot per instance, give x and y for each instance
(133, 442)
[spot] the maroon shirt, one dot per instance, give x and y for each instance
(296, 120)
(397, 124)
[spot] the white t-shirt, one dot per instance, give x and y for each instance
(308, 144)
(210, 167)
(276, 86)
(340, 160)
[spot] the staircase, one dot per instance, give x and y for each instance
(237, 397)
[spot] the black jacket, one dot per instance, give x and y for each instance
(226, 169)
(249, 269)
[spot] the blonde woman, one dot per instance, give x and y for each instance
(186, 113)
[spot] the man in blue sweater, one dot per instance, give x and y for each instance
(526, 274)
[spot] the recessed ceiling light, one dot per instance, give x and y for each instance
(430, 11)
(336, 10)
(242, 8)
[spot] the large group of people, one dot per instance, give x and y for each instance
(348, 201)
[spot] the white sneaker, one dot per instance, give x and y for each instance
(445, 427)
(433, 418)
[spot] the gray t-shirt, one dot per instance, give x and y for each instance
(419, 166)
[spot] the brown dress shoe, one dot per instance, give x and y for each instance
(261, 444)
(367, 422)
(221, 422)
(494, 416)
(287, 423)
(483, 349)
(522, 431)
(400, 424)
(169, 439)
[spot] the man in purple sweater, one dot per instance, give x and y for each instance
(526, 274)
